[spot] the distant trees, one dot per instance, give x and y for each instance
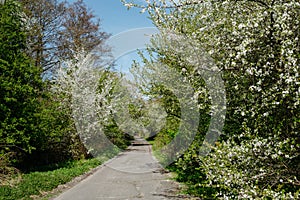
(44, 20)
(57, 30)
(79, 31)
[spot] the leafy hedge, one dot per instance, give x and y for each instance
(254, 46)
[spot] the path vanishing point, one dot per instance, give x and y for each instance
(134, 175)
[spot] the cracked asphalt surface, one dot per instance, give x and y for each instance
(133, 174)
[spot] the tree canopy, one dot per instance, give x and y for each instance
(254, 46)
(20, 82)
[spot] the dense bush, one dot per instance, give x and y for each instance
(255, 47)
(37, 125)
(20, 85)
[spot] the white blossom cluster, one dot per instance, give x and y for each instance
(246, 170)
(255, 44)
(86, 88)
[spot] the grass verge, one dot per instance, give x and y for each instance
(38, 183)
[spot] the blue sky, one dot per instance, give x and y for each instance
(115, 17)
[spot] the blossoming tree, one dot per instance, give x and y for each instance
(255, 44)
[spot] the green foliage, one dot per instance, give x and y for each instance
(255, 44)
(20, 84)
(36, 123)
(116, 136)
(35, 127)
(57, 141)
(45, 179)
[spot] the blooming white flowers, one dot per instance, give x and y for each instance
(256, 46)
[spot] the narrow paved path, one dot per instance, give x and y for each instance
(133, 174)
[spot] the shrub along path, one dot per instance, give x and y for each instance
(133, 174)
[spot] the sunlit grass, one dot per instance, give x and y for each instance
(40, 182)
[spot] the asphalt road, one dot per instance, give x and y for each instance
(133, 174)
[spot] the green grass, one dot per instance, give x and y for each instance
(46, 179)
(151, 142)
